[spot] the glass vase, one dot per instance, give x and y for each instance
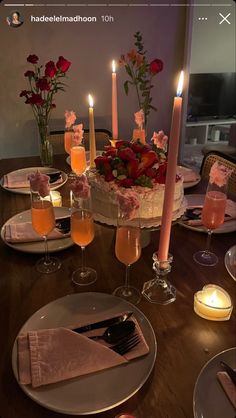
(45, 148)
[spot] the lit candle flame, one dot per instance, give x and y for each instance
(213, 299)
(180, 84)
(90, 99)
(113, 66)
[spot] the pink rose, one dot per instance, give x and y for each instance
(39, 183)
(139, 118)
(80, 187)
(219, 174)
(128, 204)
(160, 139)
(70, 118)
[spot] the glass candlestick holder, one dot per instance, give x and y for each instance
(159, 290)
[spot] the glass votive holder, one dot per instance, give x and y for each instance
(55, 198)
(213, 303)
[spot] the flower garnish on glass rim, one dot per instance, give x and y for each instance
(141, 73)
(80, 187)
(70, 118)
(39, 182)
(219, 174)
(128, 204)
(139, 118)
(78, 134)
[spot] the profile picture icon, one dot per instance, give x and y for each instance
(15, 20)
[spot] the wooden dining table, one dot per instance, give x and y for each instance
(185, 341)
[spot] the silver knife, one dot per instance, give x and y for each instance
(104, 323)
(231, 372)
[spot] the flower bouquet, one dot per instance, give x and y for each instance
(44, 83)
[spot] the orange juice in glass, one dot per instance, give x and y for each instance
(82, 227)
(68, 138)
(127, 247)
(78, 159)
(213, 211)
(82, 233)
(43, 219)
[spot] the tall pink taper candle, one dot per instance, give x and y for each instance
(114, 103)
(92, 140)
(171, 174)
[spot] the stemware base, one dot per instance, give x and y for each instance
(159, 291)
(49, 265)
(130, 294)
(84, 276)
(205, 258)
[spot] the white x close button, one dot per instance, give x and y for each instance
(224, 19)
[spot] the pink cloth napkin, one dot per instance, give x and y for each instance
(24, 232)
(188, 175)
(228, 386)
(230, 210)
(53, 355)
(17, 181)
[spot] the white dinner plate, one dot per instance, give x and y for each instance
(29, 170)
(95, 392)
(230, 261)
(87, 156)
(38, 246)
(197, 200)
(209, 398)
(187, 171)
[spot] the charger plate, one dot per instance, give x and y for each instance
(209, 398)
(96, 392)
(38, 247)
(29, 170)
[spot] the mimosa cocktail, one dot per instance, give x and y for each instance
(78, 159)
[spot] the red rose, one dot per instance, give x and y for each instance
(126, 183)
(63, 65)
(24, 93)
(29, 73)
(50, 69)
(33, 59)
(36, 99)
(43, 85)
(156, 66)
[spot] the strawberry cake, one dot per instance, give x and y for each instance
(132, 166)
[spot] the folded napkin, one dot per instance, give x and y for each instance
(230, 212)
(187, 174)
(17, 181)
(53, 355)
(228, 386)
(24, 232)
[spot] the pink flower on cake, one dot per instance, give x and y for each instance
(219, 174)
(160, 139)
(39, 183)
(139, 118)
(128, 204)
(80, 187)
(70, 118)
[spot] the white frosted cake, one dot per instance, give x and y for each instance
(137, 167)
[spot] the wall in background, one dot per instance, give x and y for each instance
(90, 48)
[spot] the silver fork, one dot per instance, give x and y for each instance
(126, 344)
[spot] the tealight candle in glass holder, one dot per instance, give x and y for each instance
(55, 198)
(213, 303)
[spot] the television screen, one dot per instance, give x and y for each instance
(211, 96)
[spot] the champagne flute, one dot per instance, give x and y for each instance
(128, 251)
(68, 137)
(43, 222)
(78, 159)
(213, 213)
(82, 233)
